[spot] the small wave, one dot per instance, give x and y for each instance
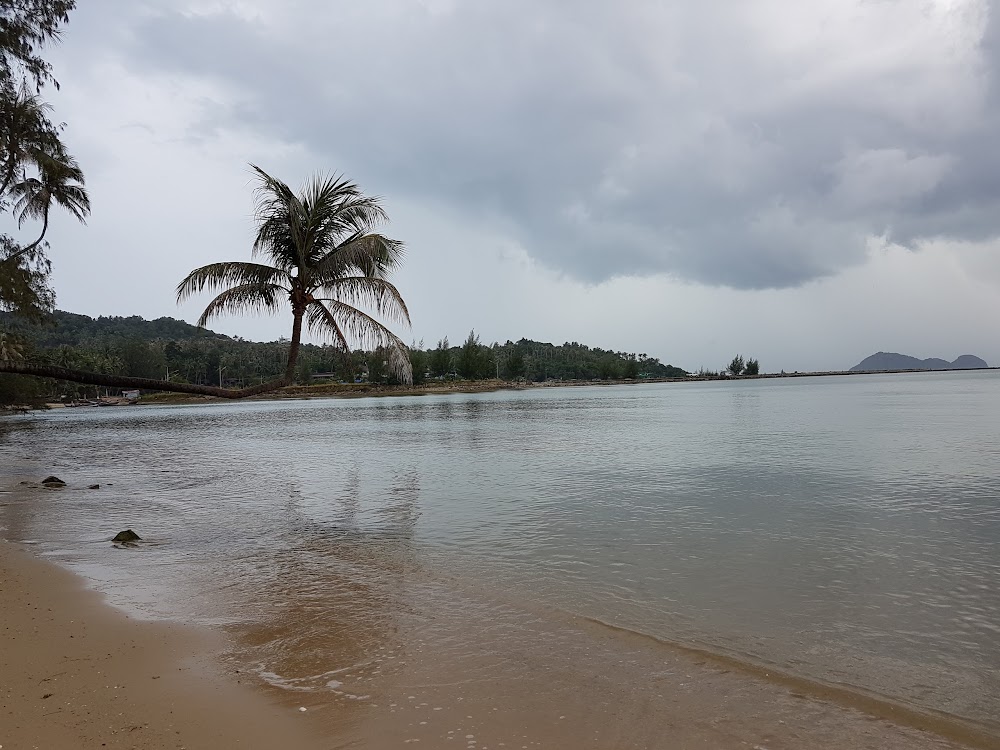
(311, 683)
(291, 683)
(949, 726)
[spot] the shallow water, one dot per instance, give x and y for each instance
(840, 530)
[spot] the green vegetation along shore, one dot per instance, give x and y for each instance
(173, 349)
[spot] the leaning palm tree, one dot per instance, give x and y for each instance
(60, 181)
(324, 260)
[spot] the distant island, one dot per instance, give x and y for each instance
(892, 361)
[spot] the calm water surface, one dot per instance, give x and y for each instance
(844, 530)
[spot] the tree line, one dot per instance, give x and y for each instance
(533, 360)
(181, 353)
(37, 171)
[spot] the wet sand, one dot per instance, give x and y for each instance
(75, 673)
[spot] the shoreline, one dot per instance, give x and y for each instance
(438, 388)
(78, 673)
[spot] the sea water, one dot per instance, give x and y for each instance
(841, 530)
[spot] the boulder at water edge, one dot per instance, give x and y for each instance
(127, 536)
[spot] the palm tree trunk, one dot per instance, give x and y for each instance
(45, 228)
(124, 381)
(28, 248)
(293, 347)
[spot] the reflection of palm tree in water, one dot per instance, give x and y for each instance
(402, 512)
(17, 513)
(20, 508)
(350, 502)
(326, 615)
(473, 412)
(393, 513)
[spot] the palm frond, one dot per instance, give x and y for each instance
(74, 199)
(255, 298)
(231, 273)
(32, 199)
(338, 208)
(368, 333)
(60, 180)
(376, 294)
(371, 255)
(280, 217)
(322, 323)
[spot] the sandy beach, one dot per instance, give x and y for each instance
(76, 673)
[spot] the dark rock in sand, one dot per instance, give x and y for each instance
(53, 482)
(127, 536)
(93, 486)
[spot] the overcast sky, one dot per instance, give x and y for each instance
(804, 182)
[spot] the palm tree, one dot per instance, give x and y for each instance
(60, 180)
(324, 259)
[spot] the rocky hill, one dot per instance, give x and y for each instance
(893, 361)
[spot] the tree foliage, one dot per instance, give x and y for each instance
(25, 27)
(474, 361)
(441, 359)
(24, 282)
(514, 364)
(741, 366)
(539, 361)
(36, 169)
(420, 362)
(197, 360)
(737, 366)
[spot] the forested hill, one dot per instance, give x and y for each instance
(182, 352)
(70, 329)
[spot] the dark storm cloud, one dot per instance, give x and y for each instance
(631, 139)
